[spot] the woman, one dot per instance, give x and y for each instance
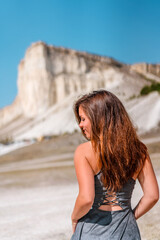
(107, 167)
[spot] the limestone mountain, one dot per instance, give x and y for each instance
(50, 79)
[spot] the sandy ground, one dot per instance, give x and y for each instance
(38, 189)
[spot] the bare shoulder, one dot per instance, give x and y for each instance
(84, 152)
(81, 161)
(83, 147)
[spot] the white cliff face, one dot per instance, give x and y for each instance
(47, 75)
(50, 79)
(34, 83)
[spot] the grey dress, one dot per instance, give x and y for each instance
(99, 224)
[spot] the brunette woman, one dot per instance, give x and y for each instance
(107, 167)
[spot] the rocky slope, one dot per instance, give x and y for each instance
(51, 78)
(144, 68)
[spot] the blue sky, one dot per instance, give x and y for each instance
(127, 30)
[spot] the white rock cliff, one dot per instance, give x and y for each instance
(50, 79)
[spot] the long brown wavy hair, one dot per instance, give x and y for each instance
(119, 151)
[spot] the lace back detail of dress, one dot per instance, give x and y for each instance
(103, 196)
(110, 198)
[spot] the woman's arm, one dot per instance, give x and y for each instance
(150, 189)
(85, 177)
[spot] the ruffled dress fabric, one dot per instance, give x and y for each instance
(99, 224)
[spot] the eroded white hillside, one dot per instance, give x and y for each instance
(144, 112)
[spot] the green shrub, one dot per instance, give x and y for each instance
(147, 89)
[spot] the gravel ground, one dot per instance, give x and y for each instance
(38, 189)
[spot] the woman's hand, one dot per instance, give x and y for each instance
(74, 224)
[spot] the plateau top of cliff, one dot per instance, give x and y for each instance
(88, 56)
